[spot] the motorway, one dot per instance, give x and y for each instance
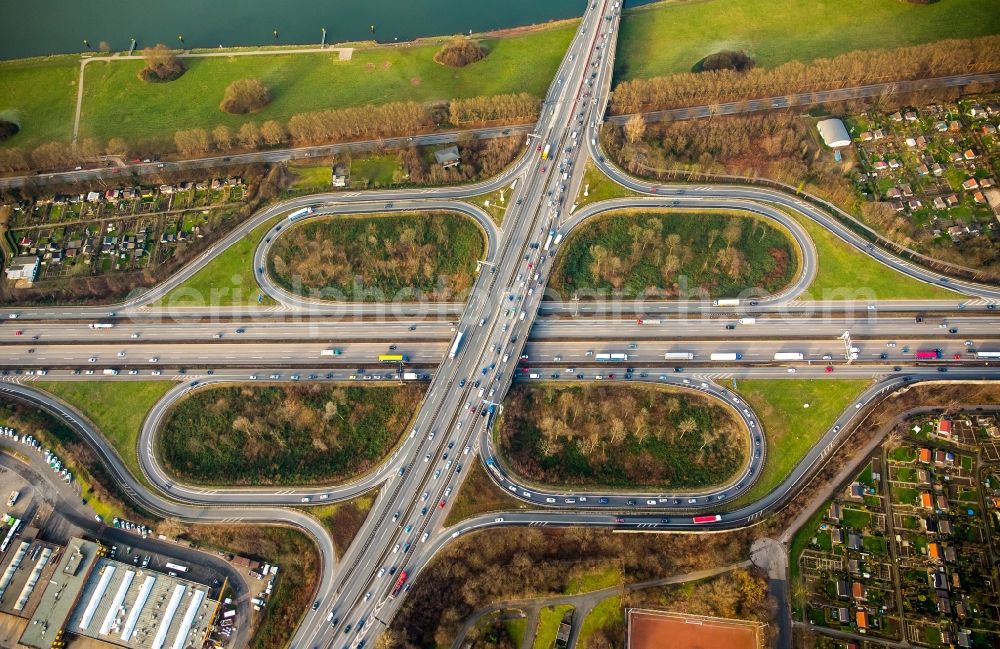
(481, 343)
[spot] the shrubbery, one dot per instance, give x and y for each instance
(245, 96)
(460, 52)
(161, 64)
(8, 129)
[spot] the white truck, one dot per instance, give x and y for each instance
(330, 352)
(111, 371)
(726, 356)
(678, 356)
(789, 356)
(101, 325)
(747, 321)
(455, 345)
(410, 376)
(726, 302)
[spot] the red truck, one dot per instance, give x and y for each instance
(400, 582)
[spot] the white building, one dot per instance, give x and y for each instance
(24, 267)
(834, 133)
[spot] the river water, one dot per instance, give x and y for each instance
(41, 27)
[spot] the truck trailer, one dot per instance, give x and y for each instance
(101, 325)
(789, 356)
(726, 356)
(455, 345)
(726, 302)
(678, 356)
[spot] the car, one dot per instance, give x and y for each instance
(619, 519)
(395, 549)
(883, 356)
(423, 512)
(630, 502)
(442, 503)
(828, 369)
(942, 369)
(368, 596)
(692, 501)
(827, 357)
(730, 326)
(447, 492)
(461, 382)
(92, 359)
(427, 458)
(498, 519)
(891, 343)
(953, 330)
(968, 343)
(791, 370)
(381, 571)
(154, 359)
(437, 474)
(316, 605)
(466, 450)
(395, 517)
(650, 502)
(408, 528)
(18, 332)
(154, 372)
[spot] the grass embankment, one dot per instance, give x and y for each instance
(287, 434)
(343, 520)
(654, 436)
(118, 408)
(790, 429)
(478, 495)
(685, 33)
(378, 258)
(608, 618)
(227, 280)
(549, 619)
(844, 273)
(656, 255)
(96, 487)
(591, 580)
(290, 550)
(599, 187)
(38, 95)
(117, 103)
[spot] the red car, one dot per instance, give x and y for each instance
(18, 332)
(441, 504)
(611, 376)
(829, 368)
(652, 189)
(539, 147)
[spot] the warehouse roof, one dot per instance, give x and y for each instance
(834, 133)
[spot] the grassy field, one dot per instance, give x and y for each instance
(516, 626)
(599, 187)
(790, 429)
(846, 274)
(117, 408)
(801, 540)
(287, 434)
(39, 96)
(117, 103)
(666, 255)
(549, 619)
(655, 436)
(378, 258)
(343, 520)
(774, 33)
(594, 579)
(478, 495)
(227, 280)
(607, 614)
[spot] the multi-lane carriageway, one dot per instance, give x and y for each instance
(404, 528)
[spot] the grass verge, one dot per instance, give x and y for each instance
(790, 430)
(686, 32)
(118, 408)
(843, 273)
(549, 619)
(343, 520)
(39, 95)
(606, 614)
(599, 187)
(479, 495)
(591, 580)
(227, 280)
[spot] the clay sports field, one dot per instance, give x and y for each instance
(663, 630)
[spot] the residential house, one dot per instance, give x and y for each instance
(925, 500)
(941, 502)
(924, 455)
(862, 620)
(448, 157)
(970, 184)
(979, 197)
(842, 590)
(853, 541)
(944, 428)
(941, 126)
(937, 169)
(892, 192)
(906, 190)
(837, 536)
(910, 116)
(859, 592)
(951, 200)
(969, 154)
(933, 551)
(955, 157)
(24, 267)
(880, 165)
(834, 512)
(915, 204)
(939, 203)
(923, 169)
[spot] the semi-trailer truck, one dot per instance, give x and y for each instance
(726, 302)
(987, 355)
(101, 325)
(298, 214)
(928, 354)
(400, 582)
(645, 321)
(678, 356)
(455, 345)
(726, 356)
(410, 376)
(611, 357)
(548, 241)
(330, 352)
(789, 356)
(545, 152)
(747, 321)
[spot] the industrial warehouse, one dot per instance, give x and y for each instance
(77, 590)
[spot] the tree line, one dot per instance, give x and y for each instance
(850, 69)
(317, 127)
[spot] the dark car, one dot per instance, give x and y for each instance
(942, 369)
(603, 501)
(461, 383)
(316, 605)
(730, 326)
(953, 330)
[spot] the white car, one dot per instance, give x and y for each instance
(133, 371)
(466, 451)
(498, 520)
(92, 359)
(155, 359)
(381, 571)
(395, 549)
(121, 354)
(791, 370)
(154, 372)
(425, 496)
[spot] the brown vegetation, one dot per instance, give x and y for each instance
(564, 434)
(343, 520)
(161, 64)
(460, 52)
(363, 122)
(492, 565)
(738, 594)
(497, 109)
(850, 69)
(289, 549)
(245, 96)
